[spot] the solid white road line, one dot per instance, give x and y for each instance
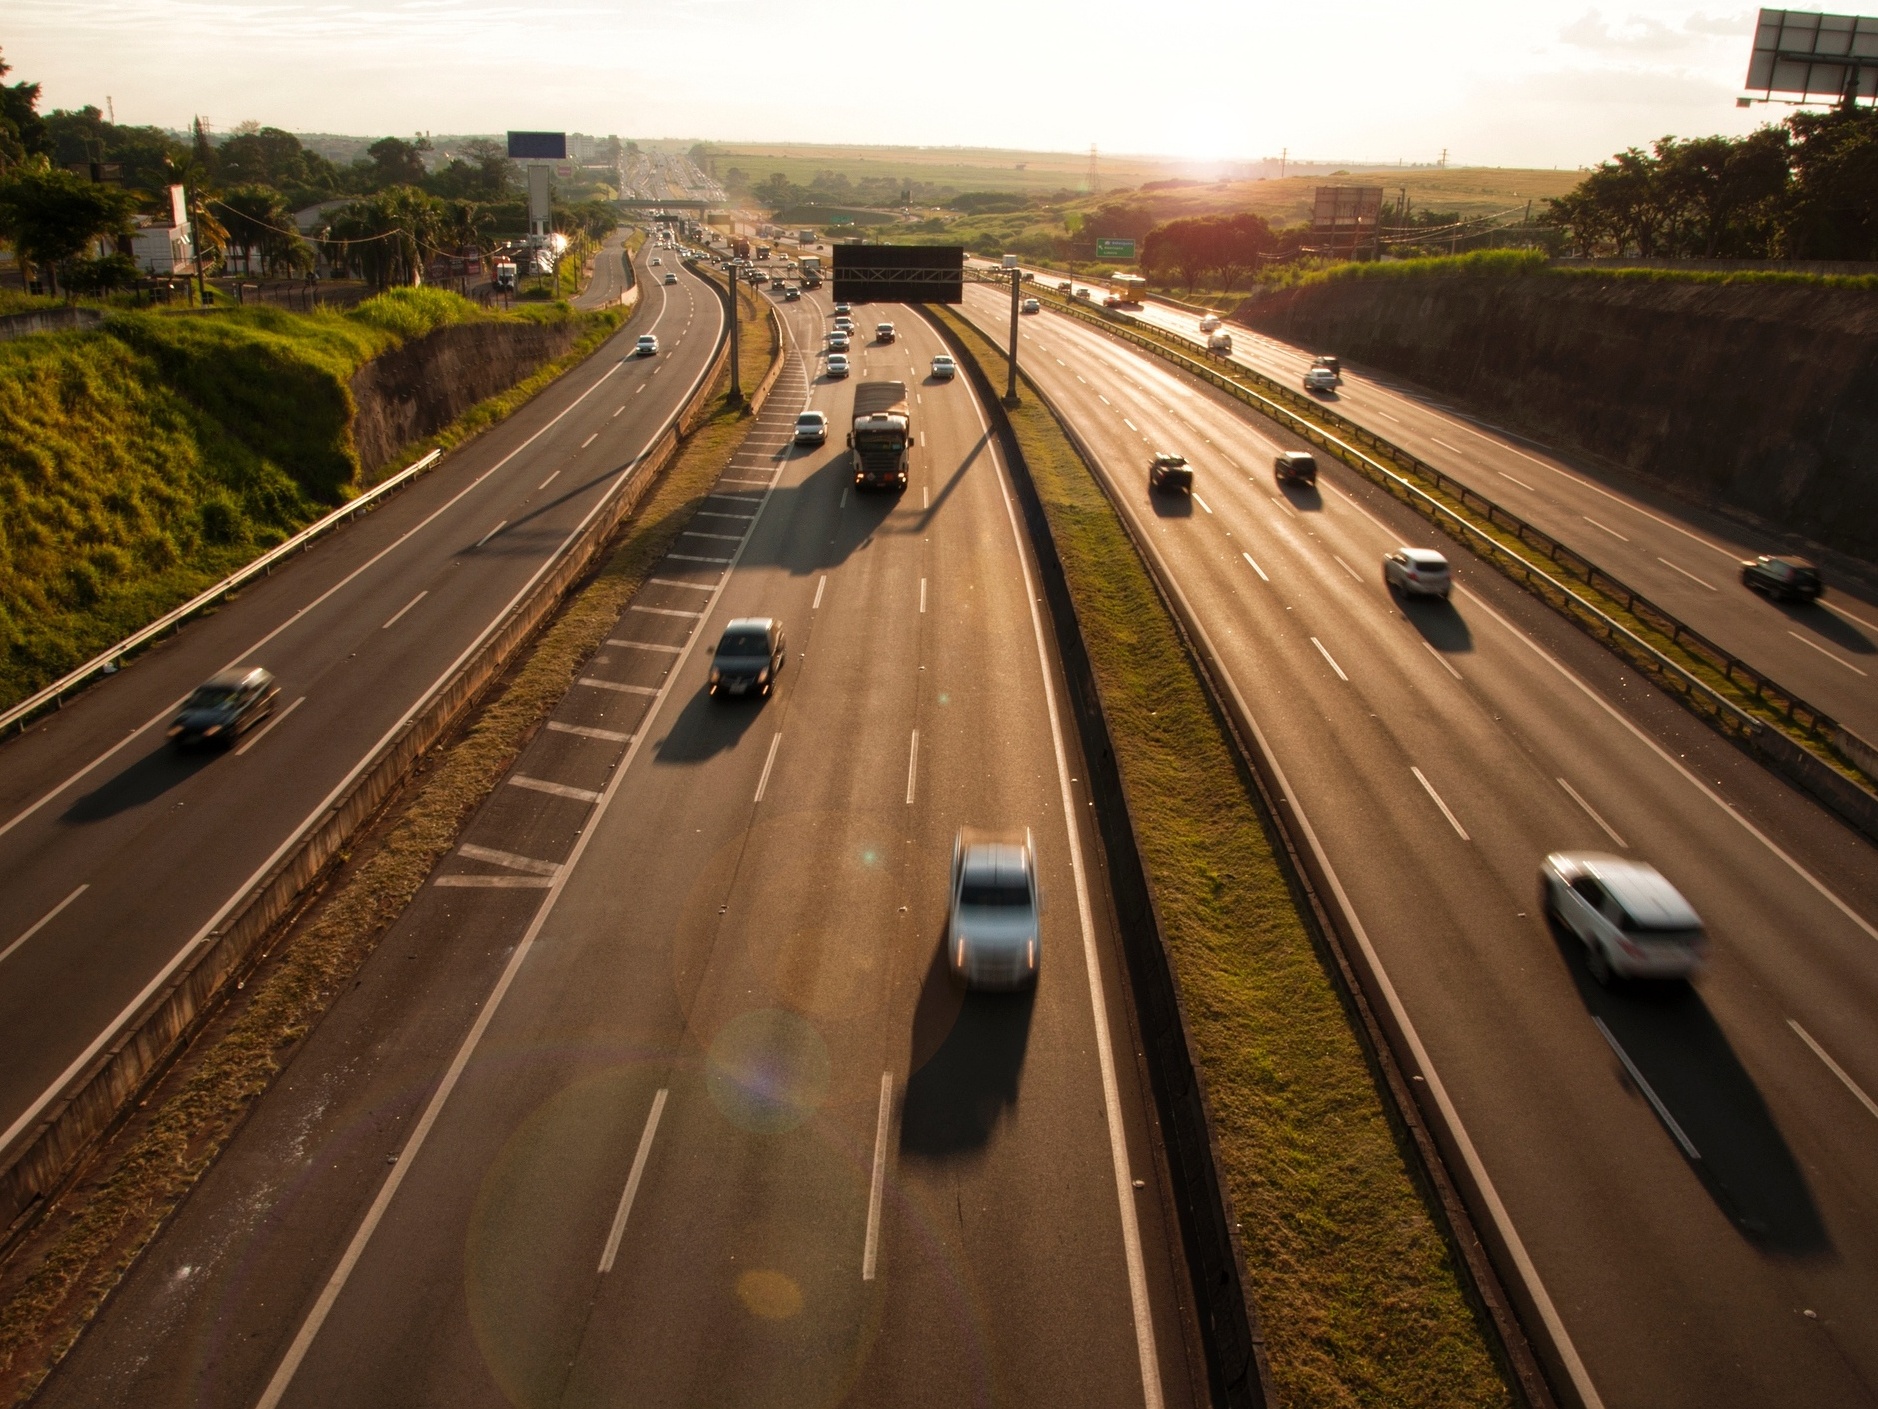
(1829, 655)
(542, 785)
(593, 684)
(1445, 446)
(405, 608)
(1429, 788)
(553, 475)
(587, 731)
(1592, 813)
(1686, 573)
(637, 1172)
(1331, 659)
(590, 440)
(1520, 482)
(1606, 527)
(492, 533)
(922, 596)
(1098, 1003)
(1649, 1093)
(679, 582)
(1202, 503)
(644, 646)
(820, 587)
(662, 611)
(912, 766)
(1255, 567)
(42, 922)
(1283, 505)
(267, 728)
(870, 1250)
(509, 859)
(617, 409)
(1818, 1051)
(768, 763)
(494, 882)
(1445, 665)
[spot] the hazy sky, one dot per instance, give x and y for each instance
(1539, 83)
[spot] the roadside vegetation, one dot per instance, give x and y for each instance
(1521, 264)
(1358, 1297)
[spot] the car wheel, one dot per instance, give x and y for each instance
(1598, 963)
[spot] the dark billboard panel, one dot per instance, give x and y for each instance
(899, 273)
(538, 146)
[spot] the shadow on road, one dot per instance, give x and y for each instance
(966, 1059)
(1306, 498)
(144, 781)
(707, 727)
(1440, 624)
(1170, 506)
(1830, 625)
(1740, 1156)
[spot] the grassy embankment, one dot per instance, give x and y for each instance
(1518, 264)
(1359, 1300)
(146, 459)
(90, 1242)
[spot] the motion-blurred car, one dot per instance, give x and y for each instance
(1082, 293)
(224, 707)
(1032, 306)
(944, 368)
(837, 364)
(671, 278)
(1632, 922)
(1295, 467)
(1784, 578)
(992, 932)
(1170, 474)
(811, 428)
(1417, 572)
(655, 261)
(843, 308)
(647, 346)
(844, 325)
(1331, 365)
(1320, 379)
(749, 656)
(791, 294)
(1064, 287)
(1208, 322)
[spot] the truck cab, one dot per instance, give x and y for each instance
(882, 438)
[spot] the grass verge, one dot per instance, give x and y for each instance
(59, 1276)
(1358, 1298)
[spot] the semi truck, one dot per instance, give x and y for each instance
(740, 247)
(505, 275)
(811, 271)
(882, 438)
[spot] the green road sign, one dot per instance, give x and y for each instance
(1115, 249)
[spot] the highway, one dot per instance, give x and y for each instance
(660, 1092)
(119, 857)
(1681, 557)
(1694, 1173)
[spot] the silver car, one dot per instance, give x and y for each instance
(1631, 921)
(992, 936)
(1417, 572)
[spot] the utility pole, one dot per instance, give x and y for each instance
(195, 207)
(1017, 283)
(1284, 156)
(736, 384)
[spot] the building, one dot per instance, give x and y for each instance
(164, 245)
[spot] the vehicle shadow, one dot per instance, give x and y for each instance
(1668, 1033)
(1831, 625)
(1441, 626)
(967, 1054)
(707, 727)
(144, 781)
(1305, 497)
(1170, 506)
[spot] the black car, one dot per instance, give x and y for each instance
(1170, 474)
(224, 707)
(1783, 578)
(1296, 466)
(748, 658)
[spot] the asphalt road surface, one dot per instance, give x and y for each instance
(118, 856)
(660, 1093)
(1681, 557)
(1693, 1170)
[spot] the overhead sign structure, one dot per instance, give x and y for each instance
(538, 146)
(1813, 56)
(899, 273)
(1115, 249)
(1346, 217)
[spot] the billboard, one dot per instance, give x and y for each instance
(899, 273)
(538, 146)
(1115, 249)
(1346, 218)
(1811, 55)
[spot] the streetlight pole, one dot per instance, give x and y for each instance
(736, 383)
(1017, 276)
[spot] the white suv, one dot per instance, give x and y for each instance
(992, 931)
(1417, 572)
(1632, 922)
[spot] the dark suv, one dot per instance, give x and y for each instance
(1783, 578)
(224, 707)
(1295, 466)
(749, 657)
(1170, 474)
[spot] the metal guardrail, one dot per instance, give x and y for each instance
(1279, 401)
(108, 661)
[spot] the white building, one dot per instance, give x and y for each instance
(164, 245)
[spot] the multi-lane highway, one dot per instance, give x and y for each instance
(661, 1093)
(1685, 559)
(118, 857)
(1694, 1174)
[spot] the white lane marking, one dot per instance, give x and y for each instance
(593, 684)
(1649, 1093)
(870, 1249)
(925, 497)
(1331, 659)
(641, 387)
(694, 558)
(844, 498)
(1520, 482)
(912, 766)
(1592, 813)
(768, 763)
(1255, 567)
(679, 582)
(644, 645)
(1824, 1056)
(1098, 1002)
(922, 596)
(633, 1177)
(1131, 425)
(1686, 573)
(617, 409)
(1103, 399)
(1429, 788)
(1202, 503)
(510, 859)
(820, 587)
(548, 481)
(1347, 568)
(717, 514)
(1606, 527)
(721, 537)
(1445, 664)
(494, 882)
(42, 922)
(1387, 417)
(1837, 610)
(1445, 446)
(405, 608)
(265, 729)
(1283, 505)
(587, 731)
(590, 440)
(1829, 655)
(492, 533)
(542, 785)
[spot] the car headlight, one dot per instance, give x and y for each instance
(211, 731)
(762, 675)
(175, 729)
(716, 675)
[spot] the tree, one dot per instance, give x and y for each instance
(386, 238)
(1833, 209)
(1240, 242)
(257, 218)
(22, 130)
(52, 216)
(1187, 248)
(395, 162)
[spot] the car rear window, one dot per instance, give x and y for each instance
(743, 643)
(994, 891)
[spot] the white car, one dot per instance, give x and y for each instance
(837, 342)
(1031, 305)
(884, 332)
(811, 428)
(655, 261)
(671, 278)
(1320, 379)
(1417, 572)
(944, 368)
(1082, 293)
(1208, 322)
(992, 932)
(843, 308)
(837, 364)
(844, 325)
(1631, 921)
(647, 346)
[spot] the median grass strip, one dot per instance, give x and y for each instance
(1359, 1300)
(56, 1280)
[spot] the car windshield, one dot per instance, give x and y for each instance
(994, 891)
(812, 421)
(743, 643)
(212, 697)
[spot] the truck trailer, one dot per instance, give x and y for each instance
(505, 275)
(882, 438)
(811, 271)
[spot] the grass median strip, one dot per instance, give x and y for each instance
(1358, 1298)
(58, 1277)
